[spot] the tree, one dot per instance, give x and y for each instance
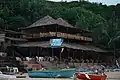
(16, 22)
(2, 24)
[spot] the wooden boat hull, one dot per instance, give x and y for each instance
(90, 76)
(64, 73)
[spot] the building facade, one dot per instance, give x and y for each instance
(77, 43)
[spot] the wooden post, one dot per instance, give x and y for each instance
(98, 57)
(62, 49)
(13, 50)
(60, 56)
(52, 52)
(68, 42)
(56, 30)
(38, 51)
(73, 60)
(30, 51)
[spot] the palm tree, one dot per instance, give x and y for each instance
(112, 33)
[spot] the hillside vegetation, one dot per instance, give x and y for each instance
(102, 20)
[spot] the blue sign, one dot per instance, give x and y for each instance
(56, 42)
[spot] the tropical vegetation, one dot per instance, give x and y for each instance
(102, 20)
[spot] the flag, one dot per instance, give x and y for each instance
(62, 50)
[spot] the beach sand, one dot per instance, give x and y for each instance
(113, 75)
(110, 75)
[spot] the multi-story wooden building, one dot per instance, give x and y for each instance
(77, 43)
(35, 40)
(7, 39)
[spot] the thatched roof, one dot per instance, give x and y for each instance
(47, 20)
(45, 44)
(15, 39)
(62, 22)
(13, 32)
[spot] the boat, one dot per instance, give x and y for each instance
(62, 73)
(4, 76)
(84, 76)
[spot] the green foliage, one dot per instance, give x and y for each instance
(2, 25)
(102, 20)
(16, 22)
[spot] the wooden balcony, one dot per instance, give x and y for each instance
(59, 34)
(2, 37)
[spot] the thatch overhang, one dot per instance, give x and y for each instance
(48, 20)
(15, 39)
(45, 44)
(13, 32)
(62, 22)
(65, 25)
(2, 37)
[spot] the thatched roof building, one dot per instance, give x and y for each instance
(48, 20)
(47, 28)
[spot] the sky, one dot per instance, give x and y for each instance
(108, 2)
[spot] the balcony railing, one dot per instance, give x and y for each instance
(59, 34)
(2, 37)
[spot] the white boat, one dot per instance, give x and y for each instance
(2, 76)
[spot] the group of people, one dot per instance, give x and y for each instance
(98, 69)
(12, 69)
(76, 60)
(40, 59)
(55, 58)
(46, 58)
